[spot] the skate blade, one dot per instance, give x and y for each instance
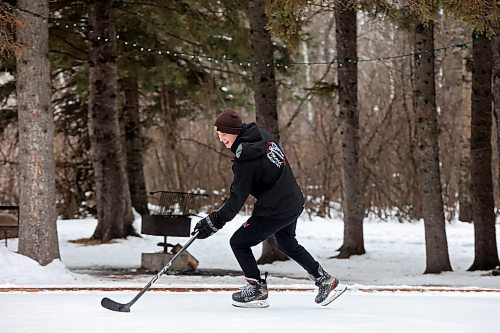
(334, 295)
(253, 304)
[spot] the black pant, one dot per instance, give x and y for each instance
(256, 230)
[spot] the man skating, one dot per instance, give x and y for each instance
(260, 169)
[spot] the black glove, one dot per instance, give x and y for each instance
(206, 227)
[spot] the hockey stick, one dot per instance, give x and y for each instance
(115, 306)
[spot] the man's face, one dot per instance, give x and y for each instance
(227, 139)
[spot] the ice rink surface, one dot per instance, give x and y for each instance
(355, 311)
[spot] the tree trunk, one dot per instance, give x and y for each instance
(175, 170)
(264, 81)
(424, 103)
(496, 98)
(464, 194)
(264, 87)
(483, 207)
(37, 231)
(352, 193)
(135, 146)
(114, 213)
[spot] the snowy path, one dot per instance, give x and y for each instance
(75, 312)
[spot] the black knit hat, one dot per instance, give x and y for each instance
(228, 122)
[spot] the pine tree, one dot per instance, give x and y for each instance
(114, 214)
(483, 206)
(37, 230)
(424, 103)
(265, 94)
(352, 198)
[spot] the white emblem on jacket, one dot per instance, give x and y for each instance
(274, 154)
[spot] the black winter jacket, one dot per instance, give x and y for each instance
(260, 169)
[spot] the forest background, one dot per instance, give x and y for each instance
(130, 91)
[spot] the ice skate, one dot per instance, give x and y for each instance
(329, 287)
(252, 295)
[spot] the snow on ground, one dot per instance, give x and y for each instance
(395, 258)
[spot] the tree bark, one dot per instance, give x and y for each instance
(424, 103)
(135, 146)
(264, 87)
(114, 213)
(352, 193)
(37, 231)
(483, 207)
(496, 98)
(464, 195)
(175, 170)
(264, 81)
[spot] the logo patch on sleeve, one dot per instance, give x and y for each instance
(239, 150)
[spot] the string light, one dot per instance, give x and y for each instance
(240, 62)
(249, 63)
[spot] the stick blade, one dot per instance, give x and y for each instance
(114, 306)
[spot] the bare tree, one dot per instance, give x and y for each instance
(114, 212)
(483, 206)
(352, 198)
(37, 231)
(424, 103)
